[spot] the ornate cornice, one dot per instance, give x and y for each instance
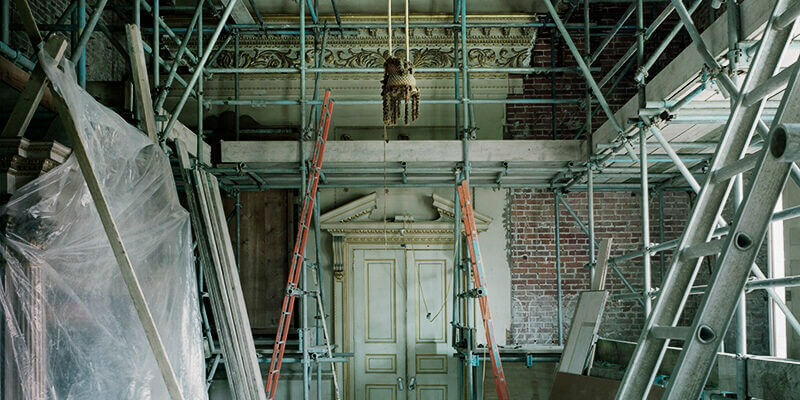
(367, 48)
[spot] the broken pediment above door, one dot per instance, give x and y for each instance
(360, 208)
(446, 210)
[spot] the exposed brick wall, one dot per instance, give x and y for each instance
(617, 215)
(533, 258)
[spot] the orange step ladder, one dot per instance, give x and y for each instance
(471, 233)
(298, 255)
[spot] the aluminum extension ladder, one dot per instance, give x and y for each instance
(480, 289)
(298, 254)
(738, 249)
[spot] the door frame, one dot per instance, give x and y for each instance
(351, 229)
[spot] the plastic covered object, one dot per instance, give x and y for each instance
(70, 329)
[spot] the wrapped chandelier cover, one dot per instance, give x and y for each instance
(399, 86)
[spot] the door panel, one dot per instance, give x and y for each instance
(429, 352)
(379, 322)
(381, 392)
(432, 392)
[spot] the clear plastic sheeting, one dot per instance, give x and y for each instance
(70, 329)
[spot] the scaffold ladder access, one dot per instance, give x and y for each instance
(736, 252)
(471, 233)
(298, 254)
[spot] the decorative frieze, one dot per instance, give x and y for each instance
(431, 47)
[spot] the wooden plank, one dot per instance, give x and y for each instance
(250, 361)
(17, 78)
(240, 13)
(221, 322)
(32, 94)
(141, 83)
(118, 248)
(580, 387)
(189, 138)
(582, 331)
(228, 321)
(434, 151)
(601, 269)
(28, 22)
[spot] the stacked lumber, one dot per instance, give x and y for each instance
(222, 280)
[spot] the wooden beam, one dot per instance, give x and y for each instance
(188, 137)
(33, 92)
(240, 13)
(601, 268)
(17, 78)
(141, 84)
(28, 22)
(434, 151)
(118, 248)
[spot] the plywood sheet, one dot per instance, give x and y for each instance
(584, 326)
(267, 234)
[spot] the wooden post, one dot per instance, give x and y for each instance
(28, 22)
(141, 83)
(34, 90)
(601, 269)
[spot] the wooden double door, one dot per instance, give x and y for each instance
(402, 308)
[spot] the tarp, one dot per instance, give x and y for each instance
(70, 328)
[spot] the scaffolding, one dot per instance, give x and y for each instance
(613, 163)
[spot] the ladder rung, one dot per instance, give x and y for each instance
(744, 164)
(671, 332)
(704, 249)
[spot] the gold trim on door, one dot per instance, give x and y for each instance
(390, 370)
(368, 338)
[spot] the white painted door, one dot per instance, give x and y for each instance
(402, 309)
(379, 324)
(432, 370)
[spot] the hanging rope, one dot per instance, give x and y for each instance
(398, 84)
